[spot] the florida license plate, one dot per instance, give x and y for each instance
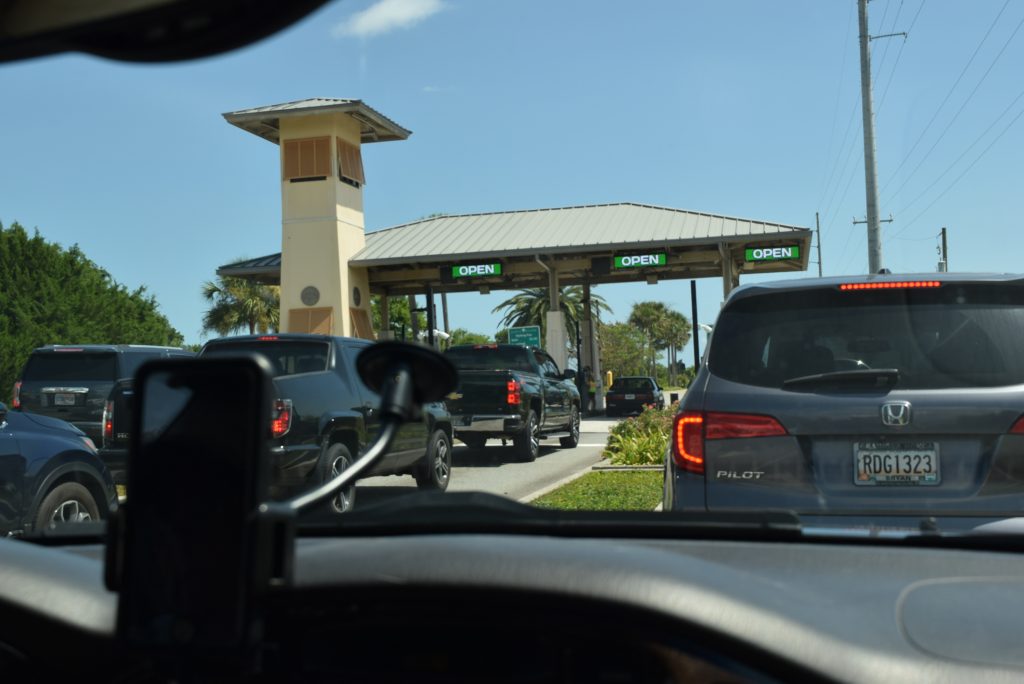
(630, 397)
(896, 463)
(63, 399)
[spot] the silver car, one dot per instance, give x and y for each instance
(866, 395)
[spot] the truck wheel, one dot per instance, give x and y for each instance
(334, 461)
(573, 439)
(436, 469)
(527, 442)
(67, 502)
(473, 441)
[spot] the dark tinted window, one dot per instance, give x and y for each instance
(71, 365)
(632, 385)
(285, 357)
(130, 361)
(953, 336)
(490, 358)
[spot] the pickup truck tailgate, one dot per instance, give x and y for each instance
(480, 392)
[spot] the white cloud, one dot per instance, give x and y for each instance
(387, 15)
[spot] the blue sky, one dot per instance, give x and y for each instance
(744, 108)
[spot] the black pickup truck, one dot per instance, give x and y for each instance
(323, 416)
(509, 391)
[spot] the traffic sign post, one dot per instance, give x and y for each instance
(528, 335)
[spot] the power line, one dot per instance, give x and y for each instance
(946, 99)
(899, 54)
(843, 172)
(958, 112)
(835, 111)
(892, 27)
(964, 153)
(963, 173)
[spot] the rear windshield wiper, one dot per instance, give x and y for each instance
(886, 376)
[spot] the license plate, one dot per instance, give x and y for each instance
(63, 399)
(630, 397)
(896, 463)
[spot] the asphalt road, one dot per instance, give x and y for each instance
(493, 469)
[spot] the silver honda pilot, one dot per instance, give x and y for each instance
(867, 395)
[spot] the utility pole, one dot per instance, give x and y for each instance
(944, 264)
(870, 173)
(867, 110)
(817, 229)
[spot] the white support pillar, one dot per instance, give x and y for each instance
(555, 323)
(730, 274)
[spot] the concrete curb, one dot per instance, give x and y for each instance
(555, 485)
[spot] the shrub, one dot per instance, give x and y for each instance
(641, 440)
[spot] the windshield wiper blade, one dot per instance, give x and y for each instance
(888, 376)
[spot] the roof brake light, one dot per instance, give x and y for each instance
(898, 285)
(267, 338)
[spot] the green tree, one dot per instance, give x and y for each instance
(463, 336)
(398, 315)
(51, 295)
(238, 304)
(675, 330)
(622, 347)
(501, 337)
(530, 306)
(649, 318)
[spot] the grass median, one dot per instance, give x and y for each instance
(628, 490)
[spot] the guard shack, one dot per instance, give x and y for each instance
(328, 265)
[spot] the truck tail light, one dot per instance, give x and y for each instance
(1018, 427)
(16, 399)
(108, 421)
(281, 418)
(693, 428)
(515, 396)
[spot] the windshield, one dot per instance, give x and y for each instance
(566, 199)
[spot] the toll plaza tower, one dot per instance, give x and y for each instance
(322, 178)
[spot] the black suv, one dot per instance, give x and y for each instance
(73, 382)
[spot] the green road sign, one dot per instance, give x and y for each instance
(476, 270)
(640, 260)
(773, 253)
(528, 335)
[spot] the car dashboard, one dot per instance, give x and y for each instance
(497, 607)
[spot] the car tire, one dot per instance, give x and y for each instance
(67, 502)
(435, 471)
(334, 461)
(573, 439)
(527, 442)
(473, 441)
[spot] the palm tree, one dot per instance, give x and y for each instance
(239, 303)
(649, 317)
(531, 306)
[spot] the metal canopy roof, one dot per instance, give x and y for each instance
(406, 258)
(556, 231)
(265, 121)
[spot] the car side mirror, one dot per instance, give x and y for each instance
(568, 374)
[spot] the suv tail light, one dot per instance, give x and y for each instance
(693, 428)
(281, 418)
(16, 399)
(108, 421)
(1018, 427)
(515, 396)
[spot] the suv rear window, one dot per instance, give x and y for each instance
(285, 357)
(490, 358)
(70, 366)
(957, 335)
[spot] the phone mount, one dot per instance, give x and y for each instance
(198, 545)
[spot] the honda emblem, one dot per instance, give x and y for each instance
(896, 413)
